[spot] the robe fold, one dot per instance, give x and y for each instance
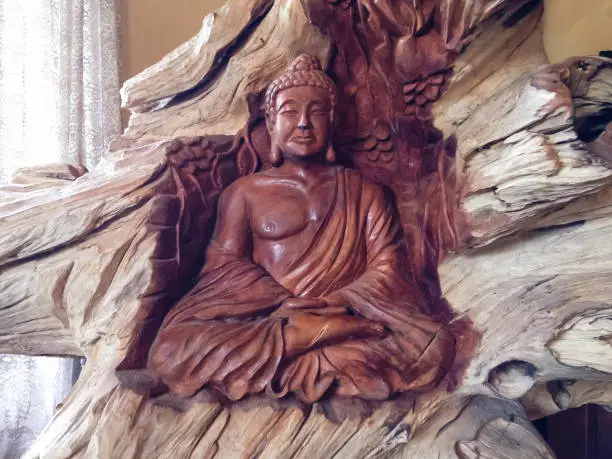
(222, 335)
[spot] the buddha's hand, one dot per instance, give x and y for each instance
(304, 331)
(317, 306)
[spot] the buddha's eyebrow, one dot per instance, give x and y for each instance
(288, 101)
(317, 102)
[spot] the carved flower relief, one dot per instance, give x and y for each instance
(206, 165)
(420, 93)
(376, 145)
(194, 153)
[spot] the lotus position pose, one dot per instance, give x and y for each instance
(306, 287)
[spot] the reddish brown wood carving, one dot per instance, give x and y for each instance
(352, 258)
(306, 287)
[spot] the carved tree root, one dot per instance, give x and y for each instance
(219, 88)
(79, 262)
(103, 420)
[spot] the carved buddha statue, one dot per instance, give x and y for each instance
(305, 287)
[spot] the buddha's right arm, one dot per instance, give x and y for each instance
(232, 235)
(231, 285)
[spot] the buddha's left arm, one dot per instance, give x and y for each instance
(384, 292)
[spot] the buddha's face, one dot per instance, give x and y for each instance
(303, 122)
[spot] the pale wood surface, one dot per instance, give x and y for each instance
(218, 104)
(75, 261)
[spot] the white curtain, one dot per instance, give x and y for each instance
(31, 389)
(59, 84)
(59, 102)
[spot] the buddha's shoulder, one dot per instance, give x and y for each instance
(246, 185)
(249, 184)
(369, 188)
(236, 191)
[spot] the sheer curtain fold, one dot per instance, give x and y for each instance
(59, 102)
(59, 81)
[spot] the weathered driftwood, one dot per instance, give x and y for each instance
(76, 260)
(218, 85)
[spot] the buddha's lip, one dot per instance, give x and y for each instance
(302, 139)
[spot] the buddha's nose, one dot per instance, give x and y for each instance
(303, 122)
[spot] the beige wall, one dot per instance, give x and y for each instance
(576, 27)
(152, 28)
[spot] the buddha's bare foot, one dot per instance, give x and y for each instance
(305, 331)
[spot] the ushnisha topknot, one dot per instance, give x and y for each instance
(305, 70)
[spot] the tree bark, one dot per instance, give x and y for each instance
(79, 261)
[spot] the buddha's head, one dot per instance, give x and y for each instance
(299, 111)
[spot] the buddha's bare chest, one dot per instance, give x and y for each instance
(283, 212)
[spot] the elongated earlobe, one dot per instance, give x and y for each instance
(275, 154)
(331, 154)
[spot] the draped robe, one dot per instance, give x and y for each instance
(222, 334)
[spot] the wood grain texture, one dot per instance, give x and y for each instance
(513, 234)
(305, 289)
(214, 98)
